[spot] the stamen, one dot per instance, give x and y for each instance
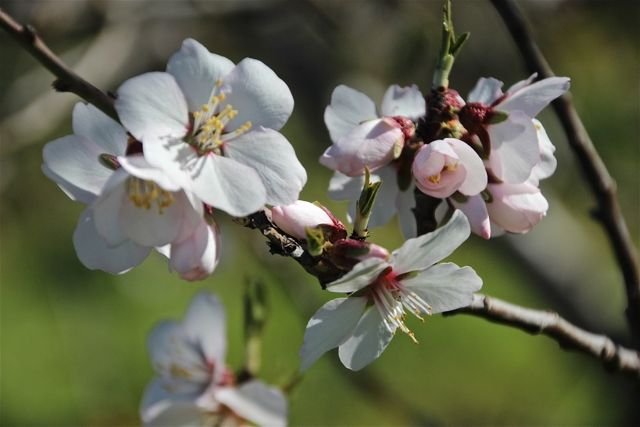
(144, 194)
(435, 179)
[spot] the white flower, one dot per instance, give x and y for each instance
(193, 386)
(213, 127)
(362, 324)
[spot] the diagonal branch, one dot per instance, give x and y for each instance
(594, 170)
(67, 80)
(551, 324)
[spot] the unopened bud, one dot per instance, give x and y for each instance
(294, 219)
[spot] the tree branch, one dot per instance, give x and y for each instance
(602, 185)
(551, 324)
(67, 80)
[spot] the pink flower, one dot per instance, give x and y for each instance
(448, 165)
(294, 219)
(516, 208)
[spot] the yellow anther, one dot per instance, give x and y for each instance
(143, 194)
(218, 83)
(434, 179)
(205, 108)
(450, 167)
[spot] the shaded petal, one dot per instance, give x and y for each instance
(256, 402)
(138, 166)
(424, 251)
(329, 327)
(367, 342)
(100, 129)
(521, 84)
(270, 154)
(515, 149)
(160, 407)
(476, 211)
(95, 254)
(445, 286)
(152, 107)
(347, 110)
(75, 160)
(403, 101)
(259, 96)
(476, 176)
(107, 209)
(548, 163)
(343, 187)
(533, 98)
(205, 324)
(197, 256)
(384, 206)
(196, 70)
(362, 274)
(173, 157)
(75, 193)
(405, 203)
(228, 185)
(486, 91)
(516, 208)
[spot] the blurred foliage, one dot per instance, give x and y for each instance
(73, 341)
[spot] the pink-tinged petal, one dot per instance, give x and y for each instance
(445, 286)
(75, 193)
(205, 324)
(152, 107)
(476, 176)
(259, 96)
(256, 402)
(367, 341)
(486, 91)
(75, 160)
(516, 207)
(270, 154)
(138, 166)
(197, 256)
(476, 211)
(533, 98)
(329, 327)
(403, 101)
(437, 169)
(95, 254)
(196, 70)
(97, 127)
(424, 251)
(161, 407)
(107, 209)
(548, 163)
(347, 110)
(293, 219)
(515, 149)
(372, 144)
(228, 185)
(362, 274)
(405, 203)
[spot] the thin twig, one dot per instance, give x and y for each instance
(67, 80)
(602, 185)
(551, 324)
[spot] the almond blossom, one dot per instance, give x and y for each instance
(212, 126)
(193, 386)
(295, 218)
(381, 292)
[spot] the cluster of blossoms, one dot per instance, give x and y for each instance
(199, 137)
(485, 156)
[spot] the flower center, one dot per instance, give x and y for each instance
(210, 123)
(448, 167)
(145, 194)
(392, 300)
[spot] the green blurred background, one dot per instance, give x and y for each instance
(73, 341)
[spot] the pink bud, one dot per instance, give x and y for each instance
(375, 251)
(293, 219)
(196, 257)
(516, 207)
(445, 166)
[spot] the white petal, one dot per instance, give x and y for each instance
(196, 70)
(270, 154)
(405, 203)
(403, 101)
(197, 256)
(476, 179)
(521, 84)
(107, 209)
(256, 402)
(384, 207)
(516, 207)
(100, 129)
(75, 193)
(343, 187)
(367, 342)
(152, 107)
(228, 185)
(347, 110)
(533, 98)
(205, 323)
(173, 157)
(515, 149)
(138, 166)
(445, 286)
(486, 91)
(75, 159)
(329, 327)
(259, 96)
(548, 163)
(424, 251)
(362, 274)
(160, 407)
(95, 254)
(476, 211)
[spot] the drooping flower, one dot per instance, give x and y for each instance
(213, 127)
(381, 292)
(193, 386)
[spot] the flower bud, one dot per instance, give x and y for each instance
(448, 165)
(517, 208)
(195, 257)
(293, 219)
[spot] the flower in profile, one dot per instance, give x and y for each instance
(193, 386)
(212, 126)
(294, 219)
(382, 291)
